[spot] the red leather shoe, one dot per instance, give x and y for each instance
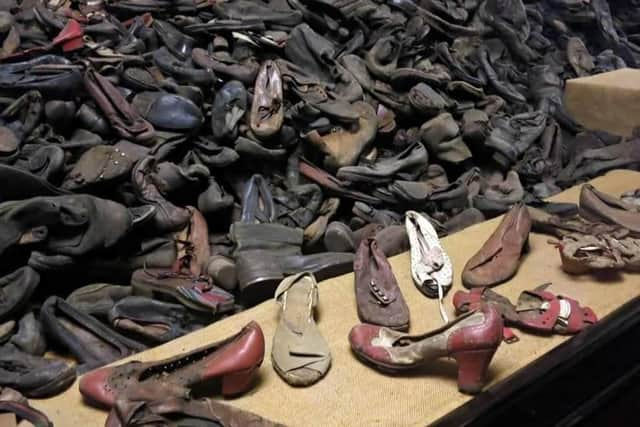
(537, 310)
(232, 362)
(471, 339)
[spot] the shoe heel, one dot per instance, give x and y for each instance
(238, 382)
(472, 369)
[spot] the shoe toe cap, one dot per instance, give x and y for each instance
(94, 386)
(362, 339)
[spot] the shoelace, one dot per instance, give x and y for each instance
(268, 111)
(189, 256)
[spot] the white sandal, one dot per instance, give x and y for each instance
(431, 267)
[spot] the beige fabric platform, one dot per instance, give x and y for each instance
(608, 101)
(353, 394)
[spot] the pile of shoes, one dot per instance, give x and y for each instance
(164, 164)
(484, 316)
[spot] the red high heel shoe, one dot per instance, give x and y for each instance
(471, 339)
(233, 362)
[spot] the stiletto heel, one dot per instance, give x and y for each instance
(472, 369)
(238, 382)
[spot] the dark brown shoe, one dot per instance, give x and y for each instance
(180, 411)
(379, 299)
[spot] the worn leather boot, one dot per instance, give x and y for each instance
(168, 217)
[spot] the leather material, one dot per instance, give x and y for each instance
(193, 245)
(100, 164)
(543, 311)
(468, 301)
(16, 289)
(257, 202)
(384, 170)
(342, 148)
(601, 207)
(324, 179)
(245, 72)
(92, 343)
(378, 296)
(267, 113)
(229, 106)
(538, 310)
(168, 111)
(431, 268)
(67, 225)
(168, 217)
(98, 299)
(25, 412)
(52, 77)
(34, 376)
(152, 320)
(197, 293)
(45, 161)
(499, 257)
(475, 332)
(179, 70)
(165, 412)
(124, 119)
(584, 253)
(173, 377)
(543, 222)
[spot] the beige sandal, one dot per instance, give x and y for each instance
(300, 355)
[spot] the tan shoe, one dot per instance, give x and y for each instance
(343, 147)
(300, 355)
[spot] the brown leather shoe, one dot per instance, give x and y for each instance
(124, 119)
(471, 339)
(193, 245)
(343, 147)
(498, 259)
(197, 293)
(600, 207)
(266, 109)
(182, 411)
(546, 223)
(537, 310)
(378, 296)
(584, 253)
(234, 360)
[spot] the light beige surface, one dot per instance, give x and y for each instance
(608, 101)
(353, 394)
